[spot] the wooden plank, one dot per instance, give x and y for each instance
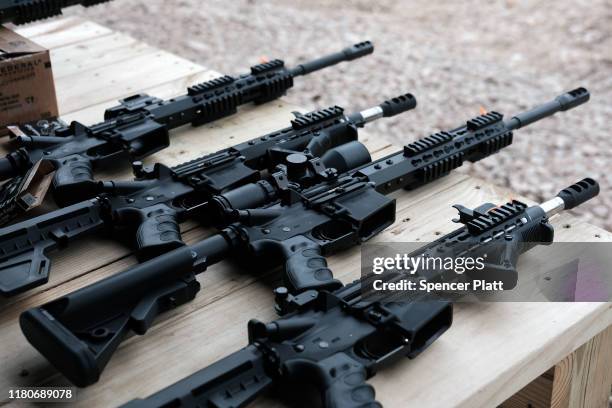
(96, 53)
(584, 378)
(536, 394)
(48, 26)
(63, 32)
(120, 79)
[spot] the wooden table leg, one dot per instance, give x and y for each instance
(583, 379)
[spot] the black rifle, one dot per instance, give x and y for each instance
(26, 11)
(160, 198)
(136, 128)
(337, 340)
(79, 332)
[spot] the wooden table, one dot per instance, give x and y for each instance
(491, 352)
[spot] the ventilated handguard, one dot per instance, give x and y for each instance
(26, 11)
(24, 247)
(60, 329)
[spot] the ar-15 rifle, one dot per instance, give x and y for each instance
(160, 198)
(26, 11)
(136, 128)
(298, 226)
(337, 340)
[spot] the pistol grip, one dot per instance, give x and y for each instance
(340, 379)
(305, 268)
(158, 233)
(347, 387)
(73, 181)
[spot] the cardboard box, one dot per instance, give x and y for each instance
(27, 91)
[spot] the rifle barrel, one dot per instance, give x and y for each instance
(562, 102)
(348, 54)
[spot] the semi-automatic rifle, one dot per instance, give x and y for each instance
(26, 11)
(336, 340)
(65, 157)
(151, 207)
(296, 227)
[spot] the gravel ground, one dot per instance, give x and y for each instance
(454, 56)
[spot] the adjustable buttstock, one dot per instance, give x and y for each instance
(79, 332)
(24, 246)
(24, 271)
(231, 382)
